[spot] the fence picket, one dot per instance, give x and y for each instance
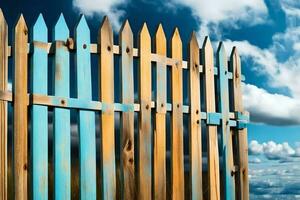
(62, 140)
(240, 135)
(20, 110)
(87, 129)
(3, 106)
(211, 130)
(195, 121)
(128, 189)
(226, 137)
(177, 167)
(144, 135)
(39, 113)
(159, 143)
(106, 69)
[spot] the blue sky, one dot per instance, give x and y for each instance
(267, 34)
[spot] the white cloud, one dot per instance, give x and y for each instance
(270, 108)
(255, 148)
(214, 12)
(102, 7)
(273, 151)
(255, 161)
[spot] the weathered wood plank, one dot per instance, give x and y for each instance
(62, 130)
(226, 137)
(159, 143)
(144, 135)
(3, 106)
(212, 136)
(177, 167)
(241, 135)
(20, 110)
(87, 129)
(39, 122)
(195, 121)
(128, 189)
(106, 69)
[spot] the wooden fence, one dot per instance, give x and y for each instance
(143, 167)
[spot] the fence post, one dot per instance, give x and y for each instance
(226, 136)
(39, 121)
(3, 106)
(20, 110)
(240, 135)
(211, 130)
(128, 189)
(106, 69)
(144, 135)
(87, 129)
(159, 142)
(62, 130)
(177, 162)
(195, 121)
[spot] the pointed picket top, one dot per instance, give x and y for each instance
(39, 30)
(61, 30)
(160, 40)
(234, 56)
(144, 32)
(126, 28)
(176, 44)
(21, 25)
(125, 33)
(207, 47)
(193, 40)
(82, 24)
(105, 27)
(2, 19)
(222, 56)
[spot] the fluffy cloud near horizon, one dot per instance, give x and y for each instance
(274, 151)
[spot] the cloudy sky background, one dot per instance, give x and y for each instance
(267, 34)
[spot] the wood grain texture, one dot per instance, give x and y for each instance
(240, 135)
(212, 136)
(177, 167)
(3, 106)
(39, 113)
(62, 124)
(106, 69)
(87, 129)
(144, 135)
(128, 189)
(20, 110)
(226, 137)
(195, 121)
(159, 143)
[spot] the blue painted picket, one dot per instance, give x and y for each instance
(62, 140)
(228, 179)
(39, 122)
(87, 130)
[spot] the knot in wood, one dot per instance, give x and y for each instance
(127, 50)
(70, 43)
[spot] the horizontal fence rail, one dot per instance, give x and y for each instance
(178, 130)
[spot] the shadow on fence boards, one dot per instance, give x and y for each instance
(177, 132)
